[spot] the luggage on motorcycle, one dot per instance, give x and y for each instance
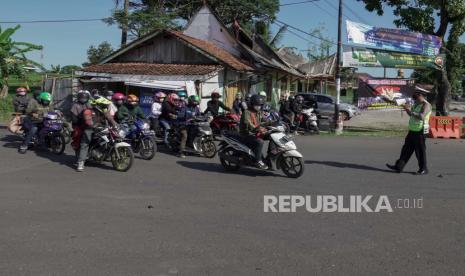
(15, 124)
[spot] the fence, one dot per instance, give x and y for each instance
(62, 92)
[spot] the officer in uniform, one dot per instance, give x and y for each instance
(418, 126)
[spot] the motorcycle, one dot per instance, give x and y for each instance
(225, 123)
(107, 143)
(142, 139)
(307, 121)
(281, 153)
(202, 143)
(50, 134)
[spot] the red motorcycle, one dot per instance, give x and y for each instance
(225, 122)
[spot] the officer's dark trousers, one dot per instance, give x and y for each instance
(414, 142)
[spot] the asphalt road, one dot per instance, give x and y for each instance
(188, 217)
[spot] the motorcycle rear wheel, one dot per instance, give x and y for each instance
(292, 166)
(147, 148)
(208, 148)
(125, 161)
(57, 143)
(229, 165)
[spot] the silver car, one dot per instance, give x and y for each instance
(325, 106)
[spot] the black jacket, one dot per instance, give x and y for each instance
(214, 107)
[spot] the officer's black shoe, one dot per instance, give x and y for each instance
(422, 172)
(393, 167)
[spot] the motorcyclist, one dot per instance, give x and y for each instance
(82, 131)
(182, 102)
(213, 106)
(263, 94)
(251, 128)
(238, 106)
(246, 102)
(156, 109)
(127, 114)
(285, 108)
(35, 112)
(184, 117)
(169, 110)
(112, 108)
(21, 100)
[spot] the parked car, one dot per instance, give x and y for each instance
(325, 106)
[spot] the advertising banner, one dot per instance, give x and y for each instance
(384, 94)
(393, 39)
(363, 57)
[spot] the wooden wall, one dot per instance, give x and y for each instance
(163, 49)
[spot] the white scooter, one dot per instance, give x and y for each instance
(308, 121)
(281, 154)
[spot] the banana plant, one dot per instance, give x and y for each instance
(13, 57)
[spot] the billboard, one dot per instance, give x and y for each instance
(393, 39)
(384, 94)
(362, 57)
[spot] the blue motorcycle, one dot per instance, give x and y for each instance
(50, 134)
(141, 138)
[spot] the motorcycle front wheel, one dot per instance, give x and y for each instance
(147, 148)
(208, 148)
(57, 143)
(125, 160)
(292, 166)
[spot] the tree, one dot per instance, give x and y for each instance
(96, 54)
(13, 58)
(436, 17)
(147, 15)
(68, 69)
(321, 49)
(56, 69)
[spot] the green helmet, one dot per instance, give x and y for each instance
(182, 94)
(194, 99)
(238, 95)
(45, 96)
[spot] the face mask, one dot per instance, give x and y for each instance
(119, 102)
(22, 93)
(257, 107)
(45, 103)
(83, 101)
(109, 97)
(415, 97)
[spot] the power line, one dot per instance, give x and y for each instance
(297, 3)
(304, 32)
(354, 13)
(52, 21)
(327, 12)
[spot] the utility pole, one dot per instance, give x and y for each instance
(124, 29)
(337, 123)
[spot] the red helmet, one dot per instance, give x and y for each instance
(173, 98)
(118, 96)
(215, 95)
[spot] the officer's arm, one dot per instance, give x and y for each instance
(421, 115)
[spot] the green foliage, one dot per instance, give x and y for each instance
(320, 50)
(56, 69)
(147, 15)
(13, 58)
(96, 54)
(68, 69)
(6, 108)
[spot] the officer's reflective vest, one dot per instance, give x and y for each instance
(416, 124)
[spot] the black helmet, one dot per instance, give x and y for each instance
(257, 100)
(83, 96)
(108, 94)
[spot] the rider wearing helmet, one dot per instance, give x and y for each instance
(185, 115)
(213, 106)
(21, 100)
(129, 113)
(169, 109)
(35, 112)
(263, 94)
(182, 99)
(251, 128)
(112, 108)
(82, 133)
(238, 106)
(285, 108)
(156, 109)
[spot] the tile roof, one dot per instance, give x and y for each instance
(152, 69)
(215, 51)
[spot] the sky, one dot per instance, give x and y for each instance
(67, 43)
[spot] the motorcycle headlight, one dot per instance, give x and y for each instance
(145, 126)
(121, 133)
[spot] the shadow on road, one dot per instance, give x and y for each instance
(347, 165)
(11, 141)
(211, 167)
